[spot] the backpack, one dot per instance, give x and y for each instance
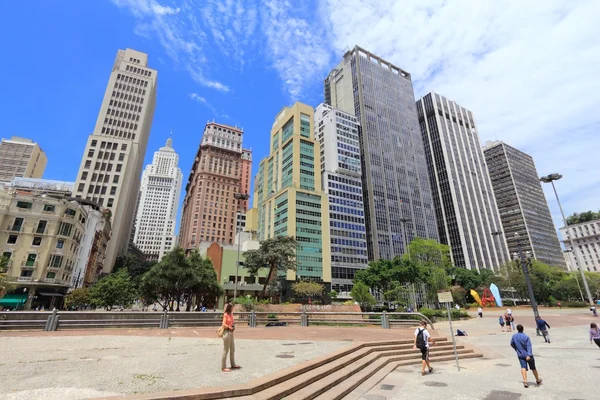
(421, 339)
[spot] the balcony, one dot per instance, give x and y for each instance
(15, 228)
(53, 268)
(50, 280)
(29, 265)
(24, 279)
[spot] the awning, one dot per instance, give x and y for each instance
(13, 300)
(50, 294)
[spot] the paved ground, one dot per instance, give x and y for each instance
(79, 367)
(69, 365)
(569, 366)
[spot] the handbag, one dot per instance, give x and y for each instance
(221, 331)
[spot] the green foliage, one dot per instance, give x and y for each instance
(134, 267)
(114, 289)
(308, 289)
(575, 304)
(429, 253)
(583, 217)
(248, 302)
(333, 294)
(176, 275)
(459, 295)
(397, 295)
(78, 298)
(277, 254)
(5, 284)
(443, 313)
(360, 293)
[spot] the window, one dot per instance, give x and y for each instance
(30, 260)
(26, 273)
(7, 255)
(37, 241)
(55, 261)
(116, 179)
(70, 212)
(123, 147)
(118, 169)
(23, 204)
(48, 208)
(121, 156)
(65, 229)
(110, 203)
(51, 275)
(12, 239)
(17, 224)
(113, 190)
(94, 143)
(60, 244)
(91, 153)
(88, 164)
(41, 228)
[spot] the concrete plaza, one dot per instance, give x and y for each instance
(71, 365)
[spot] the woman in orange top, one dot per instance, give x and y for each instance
(228, 342)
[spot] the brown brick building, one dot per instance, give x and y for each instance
(220, 170)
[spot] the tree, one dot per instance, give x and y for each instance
(437, 279)
(398, 294)
(360, 293)
(429, 253)
(277, 254)
(206, 287)
(78, 298)
(582, 217)
(5, 284)
(135, 267)
(167, 281)
(308, 289)
(543, 279)
(113, 289)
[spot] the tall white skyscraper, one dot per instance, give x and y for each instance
(159, 199)
(337, 132)
(111, 165)
(463, 196)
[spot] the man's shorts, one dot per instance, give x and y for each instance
(525, 363)
(425, 353)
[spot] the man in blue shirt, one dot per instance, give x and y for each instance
(541, 326)
(522, 345)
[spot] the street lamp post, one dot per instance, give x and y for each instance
(576, 279)
(239, 197)
(550, 179)
(525, 263)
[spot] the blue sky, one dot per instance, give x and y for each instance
(529, 75)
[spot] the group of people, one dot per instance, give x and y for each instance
(507, 320)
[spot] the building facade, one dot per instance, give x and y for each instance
(210, 210)
(522, 204)
(395, 180)
(158, 204)
(289, 199)
(41, 233)
(20, 157)
(463, 198)
(337, 133)
(111, 165)
(586, 242)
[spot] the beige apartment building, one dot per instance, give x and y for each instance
(221, 170)
(40, 235)
(20, 157)
(109, 174)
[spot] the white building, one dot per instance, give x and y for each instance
(111, 165)
(337, 132)
(586, 240)
(20, 157)
(158, 202)
(463, 196)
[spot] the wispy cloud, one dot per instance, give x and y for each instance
(178, 31)
(202, 100)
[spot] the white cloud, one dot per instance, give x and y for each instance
(529, 73)
(196, 97)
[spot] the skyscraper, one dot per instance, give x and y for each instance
(158, 204)
(463, 198)
(288, 195)
(210, 211)
(522, 204)
(337, 133)
(395, 181)
(112, 162)
(21, 158)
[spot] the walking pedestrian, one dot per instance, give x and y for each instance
(422, 340)
(509, 311)
(501, 322)
(512, 322)
(522, 345)
(541, 325)
(507, 320)
(594, 334)
(559, 305)
(480, 312)
(594, 311)
(228, 341)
